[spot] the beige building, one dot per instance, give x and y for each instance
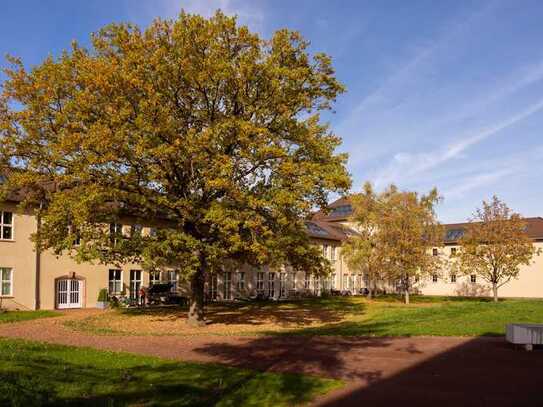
(529, 283)
(31, 280)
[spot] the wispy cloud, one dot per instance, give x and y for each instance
(247, 12)
(407, 165)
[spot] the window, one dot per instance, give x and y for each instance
(271, 284)
(212, 288)
(325, 251)
(135, 283)
(473, 278)
(115, 281)
(152, 232)
(6, 226)
(173, 279)
(6, 277)
(434, 252)
(434, 278)
(333, 281)
(115, 233)
(293, 281)
(316, 285)
(345, 279)
(260, 282)
(333, 253)
(453, 278)
(283, 285)
(154, 277)
(241, 281)
(307, 281)
(227, 286)
(453, 251)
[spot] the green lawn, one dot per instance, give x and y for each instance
(35, 374)
(16, 316)
(444, 316)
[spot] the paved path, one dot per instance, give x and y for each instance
(433, 371)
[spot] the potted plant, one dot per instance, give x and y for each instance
(103, 301)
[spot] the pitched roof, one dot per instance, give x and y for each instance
(328, 230)
(454, 231)
(339, 210)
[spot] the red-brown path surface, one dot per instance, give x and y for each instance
(415, 371)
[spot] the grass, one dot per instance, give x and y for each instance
(440, 316)
(35, 374)
(17, 316)
(344, 316)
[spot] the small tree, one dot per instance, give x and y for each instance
(408, 231)
(195, 123)
(365, 251)
(495, 245)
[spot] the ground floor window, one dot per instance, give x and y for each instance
(227, 285)
(135, 284)
(173, 279)
(473, 278)
(154, 277)
(212, 288)
(271, 284)
(434, 278)
(453, 278)
(333, 282)
(283, 284)
(241, 281)
(260, 282)
(6, 277)
(345, 281)
(293, 281)
(115, 281)
(307, 281)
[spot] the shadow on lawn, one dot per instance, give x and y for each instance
(37, 378)
(283, 313)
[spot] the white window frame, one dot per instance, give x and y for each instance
(271, 284)
(10, 225)
(333, 253)
(473, 278)
(325, 251)
(120, 280)
(453, 278)
(173, 281)
(115, 233)
(152, 279)
(227, 285)
(307, 281)
(2, 282)
(134, 288)
(241, 280)
(260, 281)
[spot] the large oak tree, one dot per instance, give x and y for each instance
(195, 125)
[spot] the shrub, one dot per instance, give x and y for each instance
(103, 296)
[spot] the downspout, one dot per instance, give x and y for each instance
(38, 257)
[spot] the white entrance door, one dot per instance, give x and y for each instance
(69, 293)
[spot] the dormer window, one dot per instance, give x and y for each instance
(6, 225)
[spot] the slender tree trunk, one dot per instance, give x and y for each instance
(196, 308)
(406, 290)
(370, 288)
(495, 291)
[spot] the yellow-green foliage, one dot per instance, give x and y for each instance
(196, 122)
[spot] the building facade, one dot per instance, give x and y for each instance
(31, 280)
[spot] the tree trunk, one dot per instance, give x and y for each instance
(196, 308)
(495, 291)
(406, 290)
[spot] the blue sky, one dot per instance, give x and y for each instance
(446, 94)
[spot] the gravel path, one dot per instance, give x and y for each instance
(416, 371)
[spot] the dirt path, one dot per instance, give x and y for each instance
(416, 371)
